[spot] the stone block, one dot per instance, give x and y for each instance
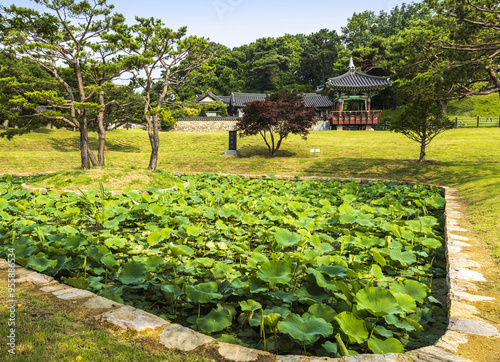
(470, 297)
(472, 326)
(178, 337)
(36, 278)
(234, 352)
(99, 302)
(466, 274)
(434, 354)
(72, 293)
(127, 317)
(55, 287)
(451, 340)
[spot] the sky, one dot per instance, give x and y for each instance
(237, 22)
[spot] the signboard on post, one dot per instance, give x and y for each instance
(315, 150)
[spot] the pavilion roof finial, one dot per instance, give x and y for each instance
(352, 67)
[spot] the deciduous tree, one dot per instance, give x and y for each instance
(279, 115)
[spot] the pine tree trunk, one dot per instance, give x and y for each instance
(101, 131)
(84, 144)
(154, 139)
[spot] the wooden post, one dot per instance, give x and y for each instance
(477, 122)
(456, 122)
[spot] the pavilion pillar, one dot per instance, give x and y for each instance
(368, 105)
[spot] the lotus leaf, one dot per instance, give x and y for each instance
(40, 262)
(390, 345)
(322, 311)
(203, 292)
(378, 301)
(416, 290)
(286, 238)
(307, 330)
(250, 305)
(132, 272)
(353, 326)
(275, 272)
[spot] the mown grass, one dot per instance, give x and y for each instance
(467, 159)
(50, 330)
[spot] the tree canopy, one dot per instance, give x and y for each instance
(279, 115)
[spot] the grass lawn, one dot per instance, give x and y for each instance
(48, 329)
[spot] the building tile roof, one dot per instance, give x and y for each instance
(238, 100)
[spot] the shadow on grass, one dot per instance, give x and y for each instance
(436, 172)
(247, 151)
(73, 144)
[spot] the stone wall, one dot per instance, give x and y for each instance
(199, 124)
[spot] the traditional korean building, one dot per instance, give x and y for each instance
(236, 102)
(353, 92)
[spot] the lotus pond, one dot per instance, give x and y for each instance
(310, 266)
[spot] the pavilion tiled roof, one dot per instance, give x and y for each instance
(355, 81)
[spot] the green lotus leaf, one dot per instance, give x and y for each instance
(67, 229)
(377, 272)
(393, 320)
(430, 243)
(181, 250)
(275, 272)
(353, 326)
(115, 243)
(214, 321)
(250, 305)
(322, 280)
(322, 311)
(256, 258)
(62, 263)
(112, 224)
(333, 270)
(23, 248)
(154, 238)
(206, 262)
(346, 209)
(156, 210)
(79, 283)
(406, 302)
(132, 272)
(193, 230)
(286, 238)
(404, 257)
(272, 319)
(390, 345)
(172, 289)
(203, 292)
(378, 301)
(348, 218)
(331, 348)
(384, 332)
(109, 261)
(152, 262)
(378, 257)
(307, 330)
(416, 290)
(40, 262)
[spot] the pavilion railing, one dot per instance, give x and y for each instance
(354, 117)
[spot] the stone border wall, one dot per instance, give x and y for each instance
(461, 276)
(204, 126)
